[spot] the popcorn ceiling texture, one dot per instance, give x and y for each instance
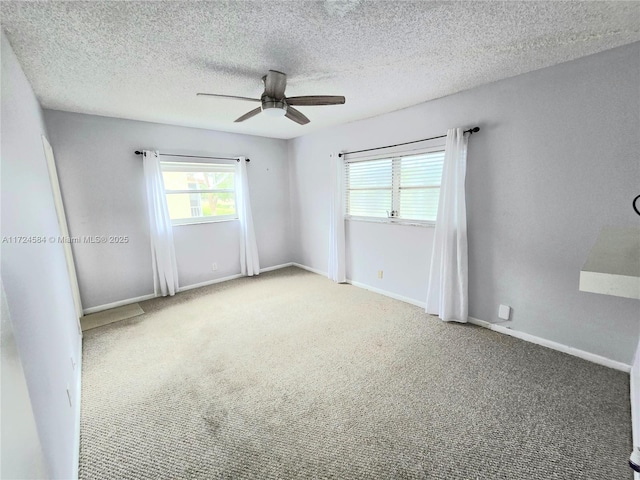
(147, 60)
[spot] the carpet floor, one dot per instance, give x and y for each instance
(291, 376)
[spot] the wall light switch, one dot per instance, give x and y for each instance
(504, 312)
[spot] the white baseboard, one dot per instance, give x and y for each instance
(387, 294)
(527, 337)
(309, 269)
(231, 277)
(119, 303)
(365, 286)
(129, 301)
(276, 267)
(209, 282)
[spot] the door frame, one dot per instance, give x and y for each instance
(64, 230)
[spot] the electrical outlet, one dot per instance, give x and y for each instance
(504, 312)
(214, 266)
(380, 273)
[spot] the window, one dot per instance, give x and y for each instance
(399, 188)
(200, 192)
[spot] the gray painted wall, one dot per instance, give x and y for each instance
(104, 194)
(35, 279)
(21, 451)
(556, 160)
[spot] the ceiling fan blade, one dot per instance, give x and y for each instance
(296, 116)
(310, 100)
(274, 84)
(228, 96)
(250, 114)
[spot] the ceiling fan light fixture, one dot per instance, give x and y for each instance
(274, 108)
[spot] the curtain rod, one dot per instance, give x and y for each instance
(138, 152)
(470, 131)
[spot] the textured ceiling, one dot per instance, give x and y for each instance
(147, 60)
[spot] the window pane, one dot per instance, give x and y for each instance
(419, 204)
(370, 174)
(196, 205)
(421, 170)
(408, 184)
(369, 203)
(198, 180)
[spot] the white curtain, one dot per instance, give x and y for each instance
(249, 263)
(163, 255)
(337, 268)
(448, 275)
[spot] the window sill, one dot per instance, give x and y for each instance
(198, 222)
(393, 221)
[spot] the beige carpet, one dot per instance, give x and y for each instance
(292, 376)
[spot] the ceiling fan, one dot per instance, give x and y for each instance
(275, 104)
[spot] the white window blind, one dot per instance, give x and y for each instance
(401, 188)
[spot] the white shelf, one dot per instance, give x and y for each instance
(613, 265)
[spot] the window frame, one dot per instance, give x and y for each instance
(395, 158)
(179, 166)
